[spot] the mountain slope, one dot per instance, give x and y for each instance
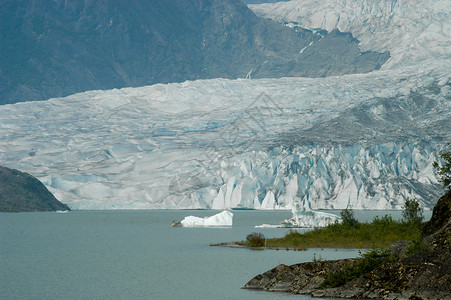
(20, 192)
(57, 48)
(412, 31)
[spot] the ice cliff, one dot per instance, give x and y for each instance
(363, 140)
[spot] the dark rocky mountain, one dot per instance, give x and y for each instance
(56, 48)
(262, 1)
(425, 274)
(21, 192)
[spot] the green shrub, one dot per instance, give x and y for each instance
(412, 211)
(255, 239)
(384, 221)
(366, 263)
(443, 169)
(315, 259)
(348, 219)
(416, 246)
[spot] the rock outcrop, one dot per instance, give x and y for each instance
(21, 192)
(425, 274)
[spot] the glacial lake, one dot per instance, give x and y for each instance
(138, 255)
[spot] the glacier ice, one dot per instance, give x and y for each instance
(224, 218)
(363, 140)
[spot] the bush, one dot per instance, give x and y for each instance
(348, 219)
(366, 263)
(413, 212)
(443, 170)
(416, 246)
(255, 239)
(385, 221)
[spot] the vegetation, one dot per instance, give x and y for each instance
(350, 233)
(415, 247)
(366, 263)
(348, 219)
(444, 170)
(413, 218)
(412, 212)
(378, 234)
(255, 239)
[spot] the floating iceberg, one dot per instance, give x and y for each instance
(310, 219)
(224, 218)
(304, 217)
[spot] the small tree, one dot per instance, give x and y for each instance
(444, 170)
(412, 211)
(347, 218)
(255, 239)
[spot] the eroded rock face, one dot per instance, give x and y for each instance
(441, 216)
(423, 275)
(299, 278)
(20, 192)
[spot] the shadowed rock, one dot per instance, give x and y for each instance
(21, 192)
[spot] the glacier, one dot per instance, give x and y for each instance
(365, 141)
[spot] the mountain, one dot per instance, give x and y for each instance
(20, 192)
(410, 31)
(57, 48)
(362, 140)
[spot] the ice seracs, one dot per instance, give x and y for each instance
(221, 219)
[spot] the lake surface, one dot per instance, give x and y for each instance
(137, 255)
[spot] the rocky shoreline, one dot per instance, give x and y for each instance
(422, 275)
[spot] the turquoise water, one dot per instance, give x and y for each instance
(137, 255)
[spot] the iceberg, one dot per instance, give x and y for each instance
(224, 218)
(304, 217)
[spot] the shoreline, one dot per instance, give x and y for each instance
(415, 270)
